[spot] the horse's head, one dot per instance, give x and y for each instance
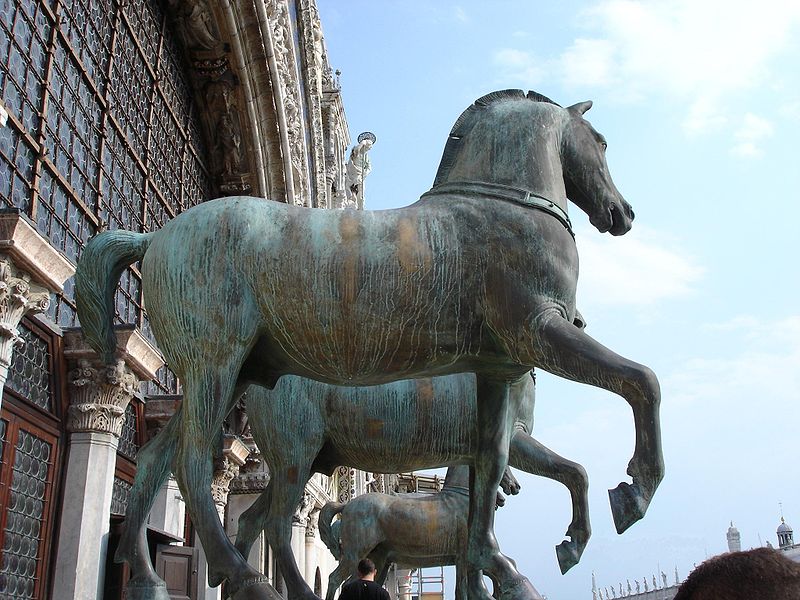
(586, 178)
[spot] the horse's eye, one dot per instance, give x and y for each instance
(604, 145)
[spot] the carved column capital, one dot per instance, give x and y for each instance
(18, 296)
(99, 395)
(234, 455)
(225, 472)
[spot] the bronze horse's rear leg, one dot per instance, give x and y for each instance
(154, 461)
(491, 460)
(534, 457)
(209, 392)
(565, 350)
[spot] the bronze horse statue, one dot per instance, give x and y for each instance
(411, 530)
(477, 276)
(400, 426)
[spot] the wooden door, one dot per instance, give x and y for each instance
(177, 565)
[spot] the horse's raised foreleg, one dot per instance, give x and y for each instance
(153, 464)
(491, 459)
(565, 350)
(536, 458)
(208, 396)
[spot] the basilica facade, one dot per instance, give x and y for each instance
(121, 115)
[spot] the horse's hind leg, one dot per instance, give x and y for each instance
(153, 464)
(286, 490)
(533, 457)
(208, 396)
(565, 350)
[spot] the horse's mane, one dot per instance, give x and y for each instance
(467, 119)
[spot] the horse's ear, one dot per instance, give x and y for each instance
(581, 107)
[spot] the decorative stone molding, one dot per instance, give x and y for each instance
(290, 98)
(18, 296)
(99, 395)
(132, 347)
(158, 411)
(234, 455)
(32, 253)
(315, 68)
(30, 269)
(220, 485)
(312, 524)
(303, 510)
(218, 94)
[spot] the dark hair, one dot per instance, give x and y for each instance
(762, 573)
(366, 566)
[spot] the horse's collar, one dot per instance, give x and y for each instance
(505, 192)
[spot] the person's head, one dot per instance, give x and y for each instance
(366, 568)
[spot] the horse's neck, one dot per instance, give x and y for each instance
(535, 168)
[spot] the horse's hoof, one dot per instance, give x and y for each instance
(521, 589)
(257, 588)
(569, 554)
(146, 590)
(628, 505)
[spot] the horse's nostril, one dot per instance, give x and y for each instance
(631, 214)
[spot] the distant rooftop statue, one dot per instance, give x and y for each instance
(358, 167)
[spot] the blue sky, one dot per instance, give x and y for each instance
(700, 104)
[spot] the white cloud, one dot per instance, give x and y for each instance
(753, 130)
(519, 67)
(638, 269)
(590, 63)
(695, 52)
(461, 14)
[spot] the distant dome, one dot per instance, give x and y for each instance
(783, 527)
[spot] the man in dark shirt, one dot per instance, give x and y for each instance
(365, 587)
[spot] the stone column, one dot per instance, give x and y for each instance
(99, 394)
(30, 269)
(311, 547)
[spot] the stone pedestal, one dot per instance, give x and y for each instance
(30, 269)
(99, 394)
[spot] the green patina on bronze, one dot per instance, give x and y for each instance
(243, 291)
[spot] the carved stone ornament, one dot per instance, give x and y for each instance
(300, 516)
(283, 45)
(220, 484)
(17, 297)
(312, 524)
(100, 394)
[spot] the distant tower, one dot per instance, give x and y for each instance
(785, 535)
(734, 540)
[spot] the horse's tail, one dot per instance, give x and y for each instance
(99, 269)
(328, 533)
